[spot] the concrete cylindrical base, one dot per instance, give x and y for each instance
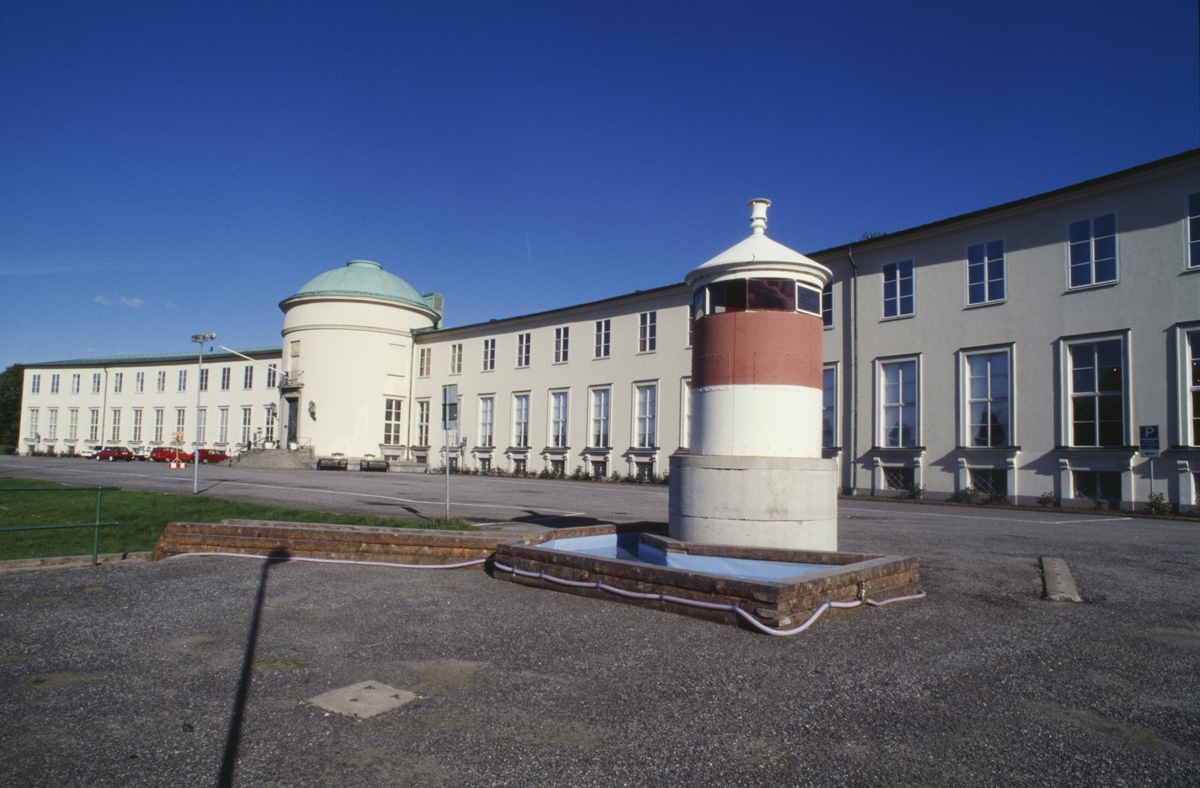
(782, 502)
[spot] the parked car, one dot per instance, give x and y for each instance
(169, 454)
(141, 452)
(114, 453)
(88, 452)
(212, 455)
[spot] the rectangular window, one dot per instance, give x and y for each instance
(988, 398)
(456, 358)
(647, 416)
(294, 355)
(118, 382)
(685, 440)
(425, 362)
(203, 379)
(985, 272)
(898, 289)
(222, 426)
(272, 375)
(558, 419)
(603, 338)
(139, 384)
(487, 421)
(158, 425)
(523, 343)
(248, 377)
(162, 380)
(247, 417)
(73, 424)
(137, 424)
(423, 422)
(489, 355)
(201, 425)
(1103, 485)
(521, 420)
(35, 384)
(647, 332)
(829, 407)
(1097, 394)
(1194, 384)
(900, 404)
(391, 422)
(269, 429)
(54, 384)
(52, 425)
(182, 380)
(1093, 251)
(180, 424)
(95, 382)
(33, 424)
(225, 377)
(601, 401)
(808, 299)
(94, 425)
(827, 305)
(562, 340)
(74, 384)
(1193, 231)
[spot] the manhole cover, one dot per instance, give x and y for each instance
(362, 700)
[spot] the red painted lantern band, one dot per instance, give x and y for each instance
(763, 348)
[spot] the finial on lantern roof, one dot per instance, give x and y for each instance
(758, 215)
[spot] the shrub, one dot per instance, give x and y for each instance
(577, 474)
(1157, 504)
(995, 498)
(914, 492)
(967, 494)
(1046, 500)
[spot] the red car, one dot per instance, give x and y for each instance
(169, 454)
(212, 455)
(111, 453)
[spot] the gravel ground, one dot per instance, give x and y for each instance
(130, 674)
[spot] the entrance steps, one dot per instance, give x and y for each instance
(276, 459)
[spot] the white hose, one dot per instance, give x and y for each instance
(334, 560)
(733, 608)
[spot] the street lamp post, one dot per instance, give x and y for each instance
(199, 339)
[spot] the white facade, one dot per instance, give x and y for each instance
(957, 361)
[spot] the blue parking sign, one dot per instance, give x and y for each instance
(1148, 440)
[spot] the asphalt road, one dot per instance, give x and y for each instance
(132, 674)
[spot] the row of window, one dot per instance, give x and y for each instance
(157, 428)
(645, 419)
(139, 380)
(1096, 390)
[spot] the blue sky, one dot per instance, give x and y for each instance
(173, 168)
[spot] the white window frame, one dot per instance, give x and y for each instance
(603, 340)
(423, 410)
(181, 422)
(1066, 387)
(562, 344)
(648, 331)
(54, 381)
(685, 413)
(524, 344)
(73, 424)
(985, 265)
(882, 405)
(226, 375)
(645, 415)
(96, 382)
(424, 362)
(272, 375)
(393, 412)
(487, 421)
(222, 427)
(159, 423)
(201, 426)
(829, 404)
(1189, 409)
(912, 277)
(93, 425)
(248, 377)
(1191, 233)
(139, 384)
(489, 354)
(116, 425)
(52, 424)
(456, 358)
(35, 384)
(1091, 221)
(520, 424)
(560, 418)
(137, 425)
(204, 379)
(827, 305)
(182, 382)
(247, 425)
(75, 383)
(32, 435)
(118, 382)
(600, 417)
(966, 437)
(270, 417)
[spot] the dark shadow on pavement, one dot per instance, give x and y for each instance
(558, 520)
(233, 739)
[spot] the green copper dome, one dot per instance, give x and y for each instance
(362, 278)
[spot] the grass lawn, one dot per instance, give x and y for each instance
(141, 517)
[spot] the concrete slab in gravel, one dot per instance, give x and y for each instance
(362, 700)
(1060, 586)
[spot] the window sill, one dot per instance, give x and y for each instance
(909, 316)
(646, 352)
(1093, 286)
(601, 358)
(1192, 269)
(983, 304)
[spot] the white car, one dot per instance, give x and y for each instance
(89, 452)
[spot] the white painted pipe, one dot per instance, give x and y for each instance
(334, 560)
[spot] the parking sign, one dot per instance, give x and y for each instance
(1148, 440)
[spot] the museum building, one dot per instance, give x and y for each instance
(1015, 352)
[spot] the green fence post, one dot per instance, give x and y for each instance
(96, 531)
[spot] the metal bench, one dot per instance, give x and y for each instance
(331, 464)
(373, 465)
